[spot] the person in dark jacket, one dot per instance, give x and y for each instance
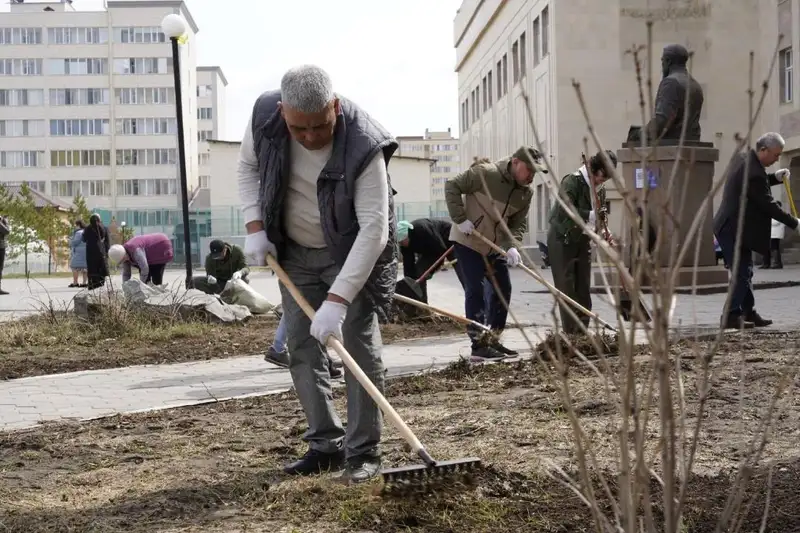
(224, 263)
(97, 242)
(759, 210)
(5, 230)
(423, 242)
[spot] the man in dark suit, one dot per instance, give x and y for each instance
(759, 210)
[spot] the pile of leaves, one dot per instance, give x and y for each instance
(568, 345)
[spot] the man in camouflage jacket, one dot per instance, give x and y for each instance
(471, 208)
(569, 248)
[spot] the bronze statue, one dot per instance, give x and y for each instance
(669, 113)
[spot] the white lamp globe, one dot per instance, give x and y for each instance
(173, 26)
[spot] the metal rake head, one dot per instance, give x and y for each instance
(426, 472)
(422, 480)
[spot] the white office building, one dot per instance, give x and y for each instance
(211, 83)
(87, 103)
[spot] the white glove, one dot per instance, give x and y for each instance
(328, 321)
(211, 280)
(592, 219)
(466, 227)
(782, 174)
(257, 246)
(513, 258)
(797, 229)
(236, 276)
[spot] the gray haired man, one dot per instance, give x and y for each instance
(316, 195)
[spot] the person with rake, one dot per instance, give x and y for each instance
(474, 199)
(317, 198)
(569, 247)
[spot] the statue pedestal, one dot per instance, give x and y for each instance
(692, 182)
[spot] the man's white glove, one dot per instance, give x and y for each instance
(592, 219)
(328, 321)
(782, 174)
(466, 227)
(513, 258)
(797, 229)
(211, 280)
(236, 275)
(257, 246)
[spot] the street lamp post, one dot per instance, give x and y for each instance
(174, 28)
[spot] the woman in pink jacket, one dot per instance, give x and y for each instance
(149, 253)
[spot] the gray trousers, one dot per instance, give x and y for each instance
(313, 272)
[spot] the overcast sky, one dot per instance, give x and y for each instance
(395, 59)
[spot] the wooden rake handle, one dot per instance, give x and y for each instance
(546, 283)
(436, 264)
(438, 311)
(352, 366)
(789, 197)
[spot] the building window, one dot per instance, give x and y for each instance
(79, 127)
(147, 187)
(77, 66)
(537, 38)
(146, 95)
(143, 65)
(515, 62)
(545, 32)
(22, 128)
(38, 186)
(204, 135)
(205, 113)
(786, 84)
(70, 188)
(477, 102)
(485, 95)
(60, 97)
(464, 116)
(523, 55)
(489, 88)
(505, 74)
(21, 97)
(204, 91)
(204, 159)
(499, 80)
(80, 158)
(20, 67)
(146, 126)
(22, 159)
(144, 35)
(20, 36)
(204, 182)
(77, 35)
(147, 157)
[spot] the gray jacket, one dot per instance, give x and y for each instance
(357, 140)
(5, 229)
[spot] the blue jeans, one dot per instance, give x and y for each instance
(481, 303)
(742, 299)
(279, 344)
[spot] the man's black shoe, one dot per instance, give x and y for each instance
(757, 320)
(497, 345)
(334, 370)
(362, 468)
(3, 293)
(736, 322)
(764, 267)
(315, 462)
(485, 353)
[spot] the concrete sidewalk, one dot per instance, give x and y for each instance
(91, 394)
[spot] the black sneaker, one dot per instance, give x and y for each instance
(736, 322)
(362, 468)
(481, 354)
(757, 320)
(334, 369)
(3, 293)
(315, 462)
(277, 358)
(497, 345)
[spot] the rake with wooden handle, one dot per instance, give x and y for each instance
(789, 197)
(406, 474)
(547, 284)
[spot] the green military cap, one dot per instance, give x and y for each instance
(532, 158)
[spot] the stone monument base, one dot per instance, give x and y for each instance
(703, 278)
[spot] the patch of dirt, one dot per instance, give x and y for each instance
(41, 345)
(216, 468)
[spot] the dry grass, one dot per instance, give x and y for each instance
(59, 341)
(216, 468)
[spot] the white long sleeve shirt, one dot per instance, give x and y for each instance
(301, 210)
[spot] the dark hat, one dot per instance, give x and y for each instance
(217, 249)
(532, 158)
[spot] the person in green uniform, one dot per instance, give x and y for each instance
(569, 248)
(224, 263)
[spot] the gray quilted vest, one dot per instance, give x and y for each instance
(357, 140)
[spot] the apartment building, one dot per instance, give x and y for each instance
(87, 103)
(211, 83)
(442, 147)
(507, 49)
